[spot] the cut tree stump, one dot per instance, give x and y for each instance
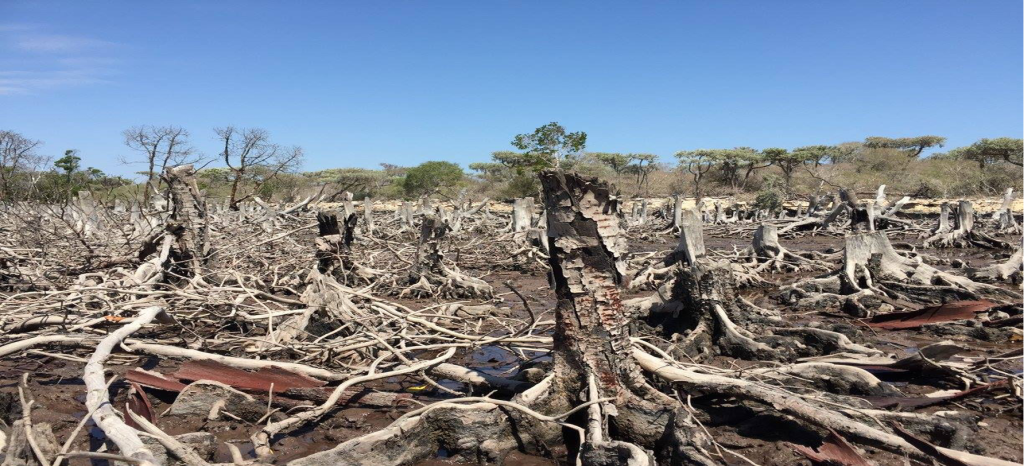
(873, 273)
(965, 235)
(187, 221)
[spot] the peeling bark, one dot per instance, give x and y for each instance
(592, 334)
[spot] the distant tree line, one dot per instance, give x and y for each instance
(250, 164)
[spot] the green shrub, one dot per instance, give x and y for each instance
(772, 194)
(432, 177)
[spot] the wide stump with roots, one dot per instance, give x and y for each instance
(873, 272)
(626, 421)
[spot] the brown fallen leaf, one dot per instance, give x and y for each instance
(260, 381)
(154, 380)
(834, 450)
(959, 310)
(138, 403)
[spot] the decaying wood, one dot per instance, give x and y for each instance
(965, 234)
(369, 308)
(873, 269)
(97, 398)
(187, 221)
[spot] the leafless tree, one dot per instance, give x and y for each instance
(253, 159)
(17, 157)
(163, 147)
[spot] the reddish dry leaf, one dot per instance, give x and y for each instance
(958, 310)
(154, 380)
(258, 382)
(834, 450)
(139, 404)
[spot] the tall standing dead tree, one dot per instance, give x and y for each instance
(163, 147)
(252, 159)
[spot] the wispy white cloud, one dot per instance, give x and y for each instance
(25, 82)
(59, 43)
(15, 27)
(41, 61)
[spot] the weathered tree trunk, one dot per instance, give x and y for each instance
(333, 246)
(719, 213)
(429, 275)
(464, 209)
(861, 218)
(944, 225)
(677, 213)
(704, 289)
(591, 363)
(766, 242)
(838, 207)
(592, 335)
(872, 269)
(1004, 216)
(880, 202)
(405, 215)
(368, 216)
(896, 207)
(812, 205)
(522, 214)
(1009, 271)
(1006, 205)
(347, 206)
(428, 250)
(187, 221)
(426, 208)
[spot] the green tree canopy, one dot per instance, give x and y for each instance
(517, 160)
(488, 169)
(551, 146)
(431, 177)
(911, 146)
(614, 160)
(699, 162)
(511, 169)
(69, 163)
(814, 154)
(641, 166)
(359, 181)
(789, 161)
(989, 151)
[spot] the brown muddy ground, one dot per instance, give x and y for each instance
(761, 437)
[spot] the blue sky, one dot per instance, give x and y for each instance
(356, 84)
